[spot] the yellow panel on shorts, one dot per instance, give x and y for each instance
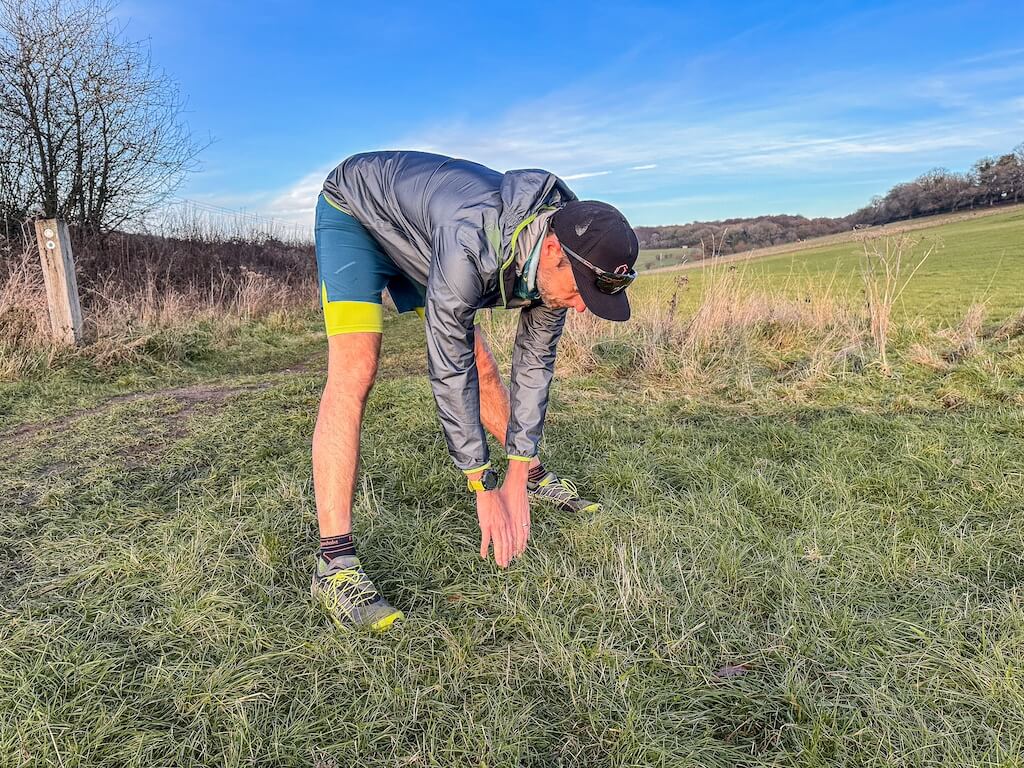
(351, 316)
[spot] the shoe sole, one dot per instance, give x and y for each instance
(383, 625)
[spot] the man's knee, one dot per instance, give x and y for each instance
(352, 364)
(356, 381)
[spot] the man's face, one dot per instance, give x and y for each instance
(555, 279)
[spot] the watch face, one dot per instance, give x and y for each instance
(489, 479)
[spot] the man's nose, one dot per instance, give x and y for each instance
(579, 305)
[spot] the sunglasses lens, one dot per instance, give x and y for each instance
(612, 284)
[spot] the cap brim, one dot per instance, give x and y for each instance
(609, 306)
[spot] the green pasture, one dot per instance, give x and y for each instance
(978, 260)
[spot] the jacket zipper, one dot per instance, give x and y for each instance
(511, 255)
(512, 248)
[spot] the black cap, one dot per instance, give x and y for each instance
(600, 234)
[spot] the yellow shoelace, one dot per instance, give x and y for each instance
(345, 576)
(570, 486)
(565, 486)
(362, 591)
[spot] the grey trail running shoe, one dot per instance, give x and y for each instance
(563, 493)
(348, 595)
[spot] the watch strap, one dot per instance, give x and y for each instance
(480, 484)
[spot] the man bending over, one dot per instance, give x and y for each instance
(447, 238)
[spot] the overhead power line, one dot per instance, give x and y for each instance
(213, 208)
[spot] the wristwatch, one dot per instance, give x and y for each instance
(488, 481)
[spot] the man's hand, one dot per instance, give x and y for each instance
(517, 504)
(494, 527)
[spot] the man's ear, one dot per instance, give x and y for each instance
(551, 250)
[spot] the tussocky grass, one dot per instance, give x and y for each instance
(782, 573)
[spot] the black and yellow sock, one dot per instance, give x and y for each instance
(537, 473)
(336, 546)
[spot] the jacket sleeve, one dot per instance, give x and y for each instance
(453, 292)
(533, 366)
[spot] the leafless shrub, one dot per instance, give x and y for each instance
(93, 130)
(887, 267)
(196, 222)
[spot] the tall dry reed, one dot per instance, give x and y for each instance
(735, 323)
(887, 266)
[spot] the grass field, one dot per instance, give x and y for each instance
(661, 258)
(977, 259)
(793, 566)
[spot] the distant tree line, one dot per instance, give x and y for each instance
(739, 234)
(991, 181)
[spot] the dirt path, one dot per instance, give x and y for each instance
(394, 363)
(190, 397)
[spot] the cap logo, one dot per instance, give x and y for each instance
(581, 229)
(622, 269)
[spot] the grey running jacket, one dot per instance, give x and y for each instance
(451, 225)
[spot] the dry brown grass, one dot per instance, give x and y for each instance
(738, 329)
(138, 290)
(887, 266)
(1011, 328)
(124, 323)
(737, 325)
(24, 322)
(921, 354)
(243, 298)
(127, 321)
(965, 338)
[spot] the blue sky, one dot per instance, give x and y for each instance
(673, 111)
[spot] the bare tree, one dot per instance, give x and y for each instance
(14, 183)
(1018, 159)
(98, 135)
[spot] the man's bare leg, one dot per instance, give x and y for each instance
(339, 581)
(351, 368)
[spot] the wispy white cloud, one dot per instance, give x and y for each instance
(1005, 53)
(684, 200)
(800, 130)
(574, 176)
(297, 202)
(826, 127)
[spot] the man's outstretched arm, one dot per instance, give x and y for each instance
(533, 365)
(453, 294)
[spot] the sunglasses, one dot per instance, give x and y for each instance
(607, 282)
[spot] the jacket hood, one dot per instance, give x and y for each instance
(523, 192)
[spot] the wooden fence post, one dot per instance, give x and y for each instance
(59, 276)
